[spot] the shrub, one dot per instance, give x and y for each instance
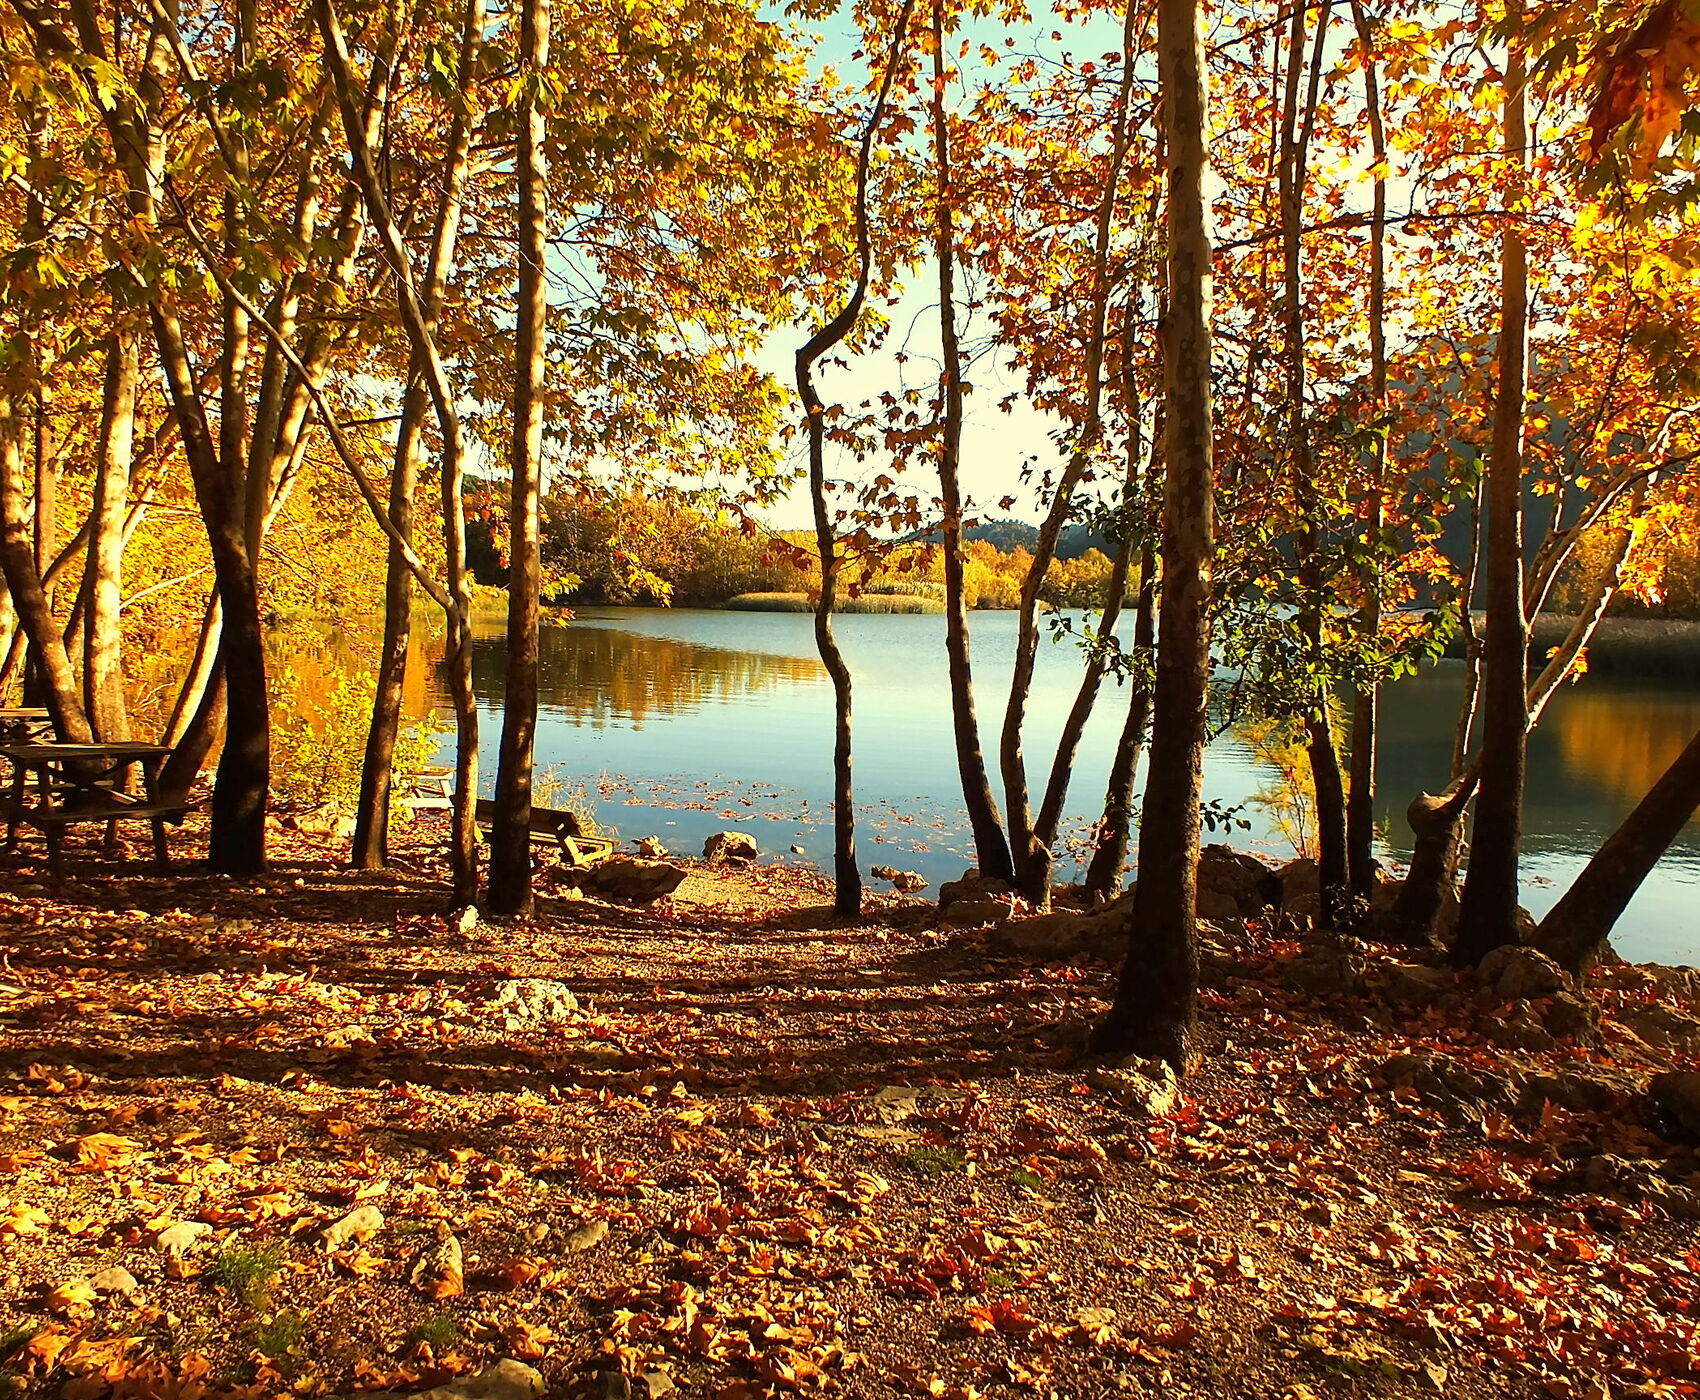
(319, 738)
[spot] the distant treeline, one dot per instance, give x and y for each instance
(634, 549)
(626, 548)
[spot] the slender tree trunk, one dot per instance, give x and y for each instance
(1109, 852)
(847, 896)
(1575, 929)
(1487, 917)
(1366, 706)
(1156, 1006)
(371, 849)
(991, 846)
(103, 665)
(58, 680)
(847, 874)
(415, 307)
(237, 843)
(1032, 856)
(30, 233)
(1296, 129)
(202, 665)
(10, 637)
(1085, 698)
(510, 836)
(1086, 694)
(371, 832)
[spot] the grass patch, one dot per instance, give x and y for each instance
(436, 1332)
(1027, 1181)
(14, 1337)
(936, 1161)
(905, 588)
(282, 1334)
(908, 603)
(771, 602)
(246, 1273)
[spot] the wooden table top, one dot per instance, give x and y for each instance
(41, 753)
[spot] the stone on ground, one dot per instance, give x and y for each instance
(633, 881)
(1516, 973)
(1147, 1088)
(730, 848)
(904, 881)
(533, 1001)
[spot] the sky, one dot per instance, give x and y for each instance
(995, 444)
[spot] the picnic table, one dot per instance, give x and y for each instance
(23, 724)
(56, 785)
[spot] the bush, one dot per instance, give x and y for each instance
(891, 603)
(319, 738)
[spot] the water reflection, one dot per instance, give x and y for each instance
(601, 676)
(1601, 744)
(685, 721)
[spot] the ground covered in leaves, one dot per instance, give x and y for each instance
(306, 1136)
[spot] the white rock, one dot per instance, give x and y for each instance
(181, 1237)
(359, 1224)
(534, 1001)
(587, 1236)
(117, 1279)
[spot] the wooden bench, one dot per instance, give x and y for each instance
(563, 828)
(71, 783)
(433, 789)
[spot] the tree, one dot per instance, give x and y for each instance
(1360, 805)
(1155, 1008)
(1487, 916)
(426, 383)
(991, 846)
(510, 835)
(847, 897)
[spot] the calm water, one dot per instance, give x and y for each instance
(678, 723)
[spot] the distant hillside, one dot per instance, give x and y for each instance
(1009, 535)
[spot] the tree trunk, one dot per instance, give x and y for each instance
(1296, 129)
(1574, 931)
(510, 836)
(371, 849)
(847, 874)
(237, 842)
(1031, 855)
(1366, 706)
(1156, 1006)
(1045, 826)
(1437, 829)
(1487, 917)
(371, 833)
(103, 665)
(847, 894)
(416, 314)
(56, 677)
(1109, 853)
(991, 846)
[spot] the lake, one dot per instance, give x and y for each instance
(679, 723)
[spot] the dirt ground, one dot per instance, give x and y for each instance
(304, 1136)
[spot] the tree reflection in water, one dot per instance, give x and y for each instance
(602, 675)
